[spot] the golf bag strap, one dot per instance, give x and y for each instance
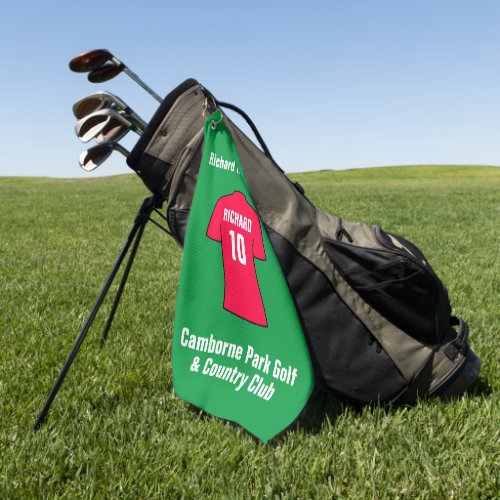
(252, 125)
(460, 343)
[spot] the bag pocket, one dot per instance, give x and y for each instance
(393, 283)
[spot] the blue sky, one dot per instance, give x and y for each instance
(338, 84)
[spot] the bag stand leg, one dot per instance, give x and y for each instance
(122, 284)
(135, 235)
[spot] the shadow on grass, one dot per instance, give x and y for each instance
(324, 406)
(480, 389)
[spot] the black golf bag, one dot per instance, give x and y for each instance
(376, 317)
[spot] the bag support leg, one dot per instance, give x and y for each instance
(143, 216)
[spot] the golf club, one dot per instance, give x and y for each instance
(103, 99)
(95, 156)
(88, 61)
(112, 132)
(102, 66)
(107, 119)
(104, 73)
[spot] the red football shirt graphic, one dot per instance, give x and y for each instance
(236, 225)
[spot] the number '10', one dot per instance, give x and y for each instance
(238, 246)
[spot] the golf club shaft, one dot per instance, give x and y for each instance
(138, 121)
(134, 77)
(121, 149)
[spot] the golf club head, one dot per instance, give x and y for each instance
(89, 160)
(92, 125)
(89, 61)
(104, 99)
(102, 66)
(112, 132)
(104, 73)
(96, 101)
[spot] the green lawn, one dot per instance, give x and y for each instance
(117, 430)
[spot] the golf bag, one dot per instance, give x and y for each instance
(376, 317)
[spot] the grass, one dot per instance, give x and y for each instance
(117, 430)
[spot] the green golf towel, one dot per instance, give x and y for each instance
(239, 352)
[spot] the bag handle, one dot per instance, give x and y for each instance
(256, 132)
